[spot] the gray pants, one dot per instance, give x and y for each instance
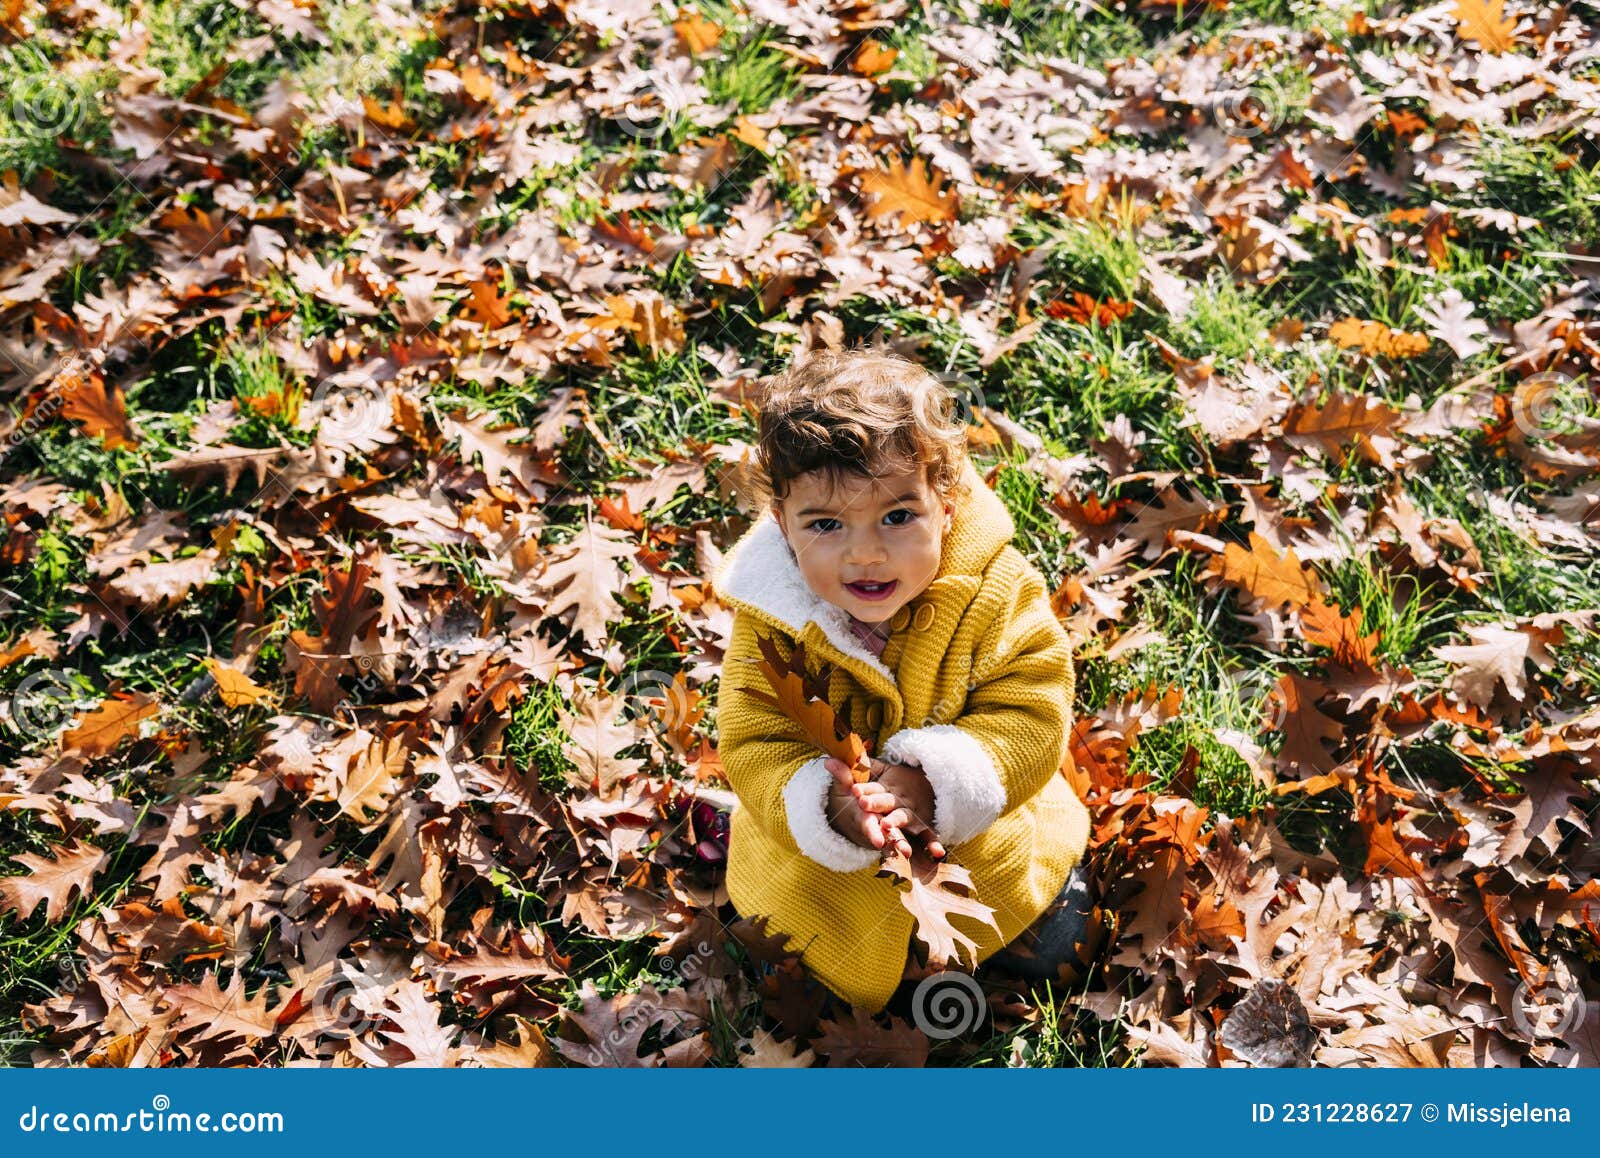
(1051, 939)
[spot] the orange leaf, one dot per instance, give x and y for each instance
(101, 414)
(1269, 579)
(697, 33)
(487, 305)
(1324, 624)
(873, 58)
(236, 689)
(912, 191)
(390, 116)
(101, 730)
(1484, 23)
(1376, 338)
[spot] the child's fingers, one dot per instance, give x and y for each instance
(900, 818)
(839, 771)
(877, 799)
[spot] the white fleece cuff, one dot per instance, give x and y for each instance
(805, 799)
(967, 793)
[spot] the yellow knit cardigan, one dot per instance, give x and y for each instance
(975, 686)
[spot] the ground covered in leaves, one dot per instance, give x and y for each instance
(378, 386)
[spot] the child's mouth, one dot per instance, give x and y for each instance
(872, 590)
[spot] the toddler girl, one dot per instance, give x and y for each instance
(883, 551)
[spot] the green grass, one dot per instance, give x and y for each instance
(1071, 384)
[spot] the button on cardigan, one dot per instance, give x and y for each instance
(974, 685)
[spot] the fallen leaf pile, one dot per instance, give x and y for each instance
(379, 404)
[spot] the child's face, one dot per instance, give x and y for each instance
(888, 530)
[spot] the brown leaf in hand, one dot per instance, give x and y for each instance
(803, 698)
(939, 891)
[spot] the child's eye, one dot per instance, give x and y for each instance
(816, 525)
(910, 515)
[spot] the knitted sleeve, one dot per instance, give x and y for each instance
(1013, 732)
(779, 777)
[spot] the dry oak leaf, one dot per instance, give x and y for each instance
(615, 1027)
(1304, 727)
(597, 740)
(166, 930)
(165, 585)
(487, 306)
(102, 414)
(861, 1041)
(120, 1052)
(1484, 23)
(1325, 625)
(1497, 655)
(697, 33)
(412, 1033)
(99, 731)
(523, 957)
(530, 1051)
(1374, 338)
(1269, 579)
(52, 881)
(585, 577)
(230, 460)
(223, 1013)
(500, 456)
(1271, 1027)
(939, 891)
(802, 696)
(1171, 510)
(1386, 850)
(873, 58)
(371, 778)
(236, 689)
(913, 192)
(649, 317)
(1346, 421)
(765, 1051)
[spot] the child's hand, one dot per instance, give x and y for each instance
(900, 796)
(850, 820)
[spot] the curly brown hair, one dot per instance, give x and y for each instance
(868, 411)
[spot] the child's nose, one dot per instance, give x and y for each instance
(861, 552)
